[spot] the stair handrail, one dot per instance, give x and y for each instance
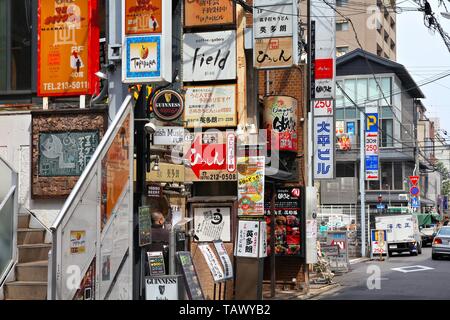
(38, 220)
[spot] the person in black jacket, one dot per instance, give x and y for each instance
(160, 239)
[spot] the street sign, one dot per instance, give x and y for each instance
(414, 191)
(415, 202)
(414, 180)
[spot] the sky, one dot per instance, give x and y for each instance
(425, 55)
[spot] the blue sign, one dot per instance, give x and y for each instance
(372, 122)
(372, 162)
(415, 202)
(380, 206)
(414, 191)
(351, 128)
(143, 58)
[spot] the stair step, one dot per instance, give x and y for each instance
(32, 271)
(33, 252)
(30, 236)
(26, 290)
(23, 220)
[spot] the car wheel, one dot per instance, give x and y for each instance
(434, 256)
(419, 249)
(389, 253)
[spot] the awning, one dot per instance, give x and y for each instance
(428, 218)
(278, 175)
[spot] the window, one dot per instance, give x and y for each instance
(345, 170)
(340, 51)
(387, 134)
(341, 3)
(398, 176)
(15, 45)
(340, 114)
(391, 177)
(386, 176)
(339, 94)
(342, 26)
(361, 90)
(350, 90)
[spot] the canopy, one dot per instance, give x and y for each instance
(428, 218)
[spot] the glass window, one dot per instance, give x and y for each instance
(387, 134)
(339, 94)
(444, 232)
(398, 176)
(342, 26)
(386, 176)
(373, 90)
(385, 84)
(344, 170)
(386, 112)
(350, 89)
(361, 90)
(350, 113)
(340, 114)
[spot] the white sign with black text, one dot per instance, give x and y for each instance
(212, 223)
(209, 56)
(168, 136)
(161, 288)
(212, 261)
(273, 21)
(225, 259)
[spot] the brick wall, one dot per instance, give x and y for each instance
(60, 121)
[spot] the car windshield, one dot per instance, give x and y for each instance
(444, 232)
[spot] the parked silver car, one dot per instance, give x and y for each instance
(441, 243)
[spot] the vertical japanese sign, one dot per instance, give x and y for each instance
(324, 147)
(251, 239)
(275, 35)
(280, 119)
(324, 19)
(251, 186)
(68, 47)
(213, 263)
(371, 144)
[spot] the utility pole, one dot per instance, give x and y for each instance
(362, 176)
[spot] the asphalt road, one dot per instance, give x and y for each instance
(431, 282)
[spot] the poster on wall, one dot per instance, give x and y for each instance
(208, 13)
(143, 16)
(211, 156)
(288, 212)
(77, 242)
(209, 56)
(212, 262)
(68, 48)
(210, 106)
(86, 289)
(251, 186)
(212, 223)
(280, 119)
(224, 259)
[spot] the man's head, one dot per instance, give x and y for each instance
(157, 218)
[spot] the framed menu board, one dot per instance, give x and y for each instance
(192, 283)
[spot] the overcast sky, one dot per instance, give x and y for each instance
(425, 55)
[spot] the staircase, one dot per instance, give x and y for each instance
(31, 269)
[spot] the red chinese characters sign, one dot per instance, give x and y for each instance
(280, 121)
(68, 47)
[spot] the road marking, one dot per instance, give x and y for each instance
(412, 269)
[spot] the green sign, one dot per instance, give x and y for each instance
(145, 226)
(66, 153)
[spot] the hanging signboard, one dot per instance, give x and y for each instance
(208, 13)
(68, 48)
(371, 144)
(212, 223)
(288, 220)
(210, 106)
(324, 148)
(168, 136)
(273, 21)
(251, 186)
(147, 41)
(249, 239)
(324, 89)
(209, 56)
(145, 226)
(280, 119)
(142, 16)
(168, 105)
(273, 53)
(162, 287)
(379, 241)
(211, 156)
(212, 261)
(224, 259)
(322, 107)
(167, 173)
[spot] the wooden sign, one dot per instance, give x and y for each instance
(271, 53)
(68, 47)
(167, 173)
(208, 13)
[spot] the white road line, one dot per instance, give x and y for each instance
(409, 269)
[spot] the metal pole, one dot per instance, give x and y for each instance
(272, 243)
(362, 188)
(172, 249)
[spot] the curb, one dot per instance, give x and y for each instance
(359, 260)
(318, 292)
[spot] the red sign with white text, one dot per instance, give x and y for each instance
(414, 180)
(323, 69)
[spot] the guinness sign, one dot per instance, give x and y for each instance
(168, 105)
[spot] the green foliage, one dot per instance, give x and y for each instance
(445, 182)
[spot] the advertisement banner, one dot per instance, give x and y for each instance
(162, 288)
(210, 106)
(143, 16)
(168, 136)
(68, 48)
(323, 107)
(272, 53)
(371, 144)
(77, 242)
(324, 148)
(224, 259)
(288, 213)
(273, 21)
(209, 56)
(280, 119)
(213, 263)
(211, 156)
(167, 105)
(212, 223)
(208, 13)
(251, 186)
(143, 58)
(324, 89)
(248, 239)
(379, 241)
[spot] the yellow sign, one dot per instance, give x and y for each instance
(167, 173)
(77, 242)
